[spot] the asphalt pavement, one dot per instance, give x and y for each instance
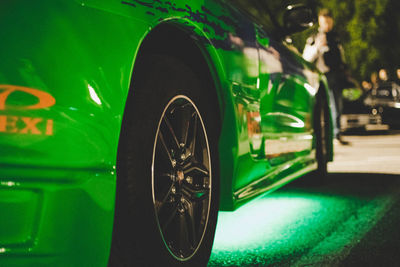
(351, 220)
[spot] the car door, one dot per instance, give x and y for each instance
(286, 102)
(273, 95)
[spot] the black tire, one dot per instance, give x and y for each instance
(167, 188)
(321, 143)
(321, 128)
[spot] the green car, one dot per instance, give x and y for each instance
(126, 125)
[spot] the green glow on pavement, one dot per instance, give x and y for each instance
(276, 227)
(263, 219)
(297, 227)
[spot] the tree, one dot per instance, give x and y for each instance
(369, 31)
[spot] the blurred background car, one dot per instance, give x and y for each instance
(384, 101)
(357, 115)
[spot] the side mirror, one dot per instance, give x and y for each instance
(298, 18)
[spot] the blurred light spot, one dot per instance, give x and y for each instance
(8, 183)
(93, 95)
(310, 89)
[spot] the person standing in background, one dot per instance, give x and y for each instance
(325, 51)
(374, 79)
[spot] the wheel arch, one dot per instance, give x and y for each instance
(185, 41)
(178, 39)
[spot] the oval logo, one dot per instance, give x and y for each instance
(45, 100)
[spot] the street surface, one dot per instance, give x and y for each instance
(352, 220)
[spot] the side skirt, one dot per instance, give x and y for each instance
(276, 178)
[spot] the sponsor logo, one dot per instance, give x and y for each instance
(45, 100)
(24, 124)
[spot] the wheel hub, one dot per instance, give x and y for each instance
(180, 176)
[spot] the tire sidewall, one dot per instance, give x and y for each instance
(161, 79)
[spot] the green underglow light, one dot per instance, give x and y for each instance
(297, 227)
(263, 219)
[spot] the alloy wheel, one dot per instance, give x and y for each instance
(181, 177)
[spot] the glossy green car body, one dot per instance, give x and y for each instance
(65, 73)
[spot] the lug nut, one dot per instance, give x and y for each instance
(181, 209)
(189, 179)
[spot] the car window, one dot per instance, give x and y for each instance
(268, 13)
(260, 12)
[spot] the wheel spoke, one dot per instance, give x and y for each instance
(165, 198)
(171, 130)
(191, 223)
(194, 134)
(169, 219)
(163, 174)
(186, 127)
(197, 168)
(183, 233)
(166, 149)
